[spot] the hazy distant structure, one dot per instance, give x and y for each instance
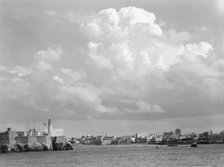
(210, 133)
(168, 134)
(178, 132)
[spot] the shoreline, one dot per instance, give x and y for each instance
(35, 147)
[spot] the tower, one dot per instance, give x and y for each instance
(178, 132)
(49, 127)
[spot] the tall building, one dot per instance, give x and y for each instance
(178, 132)
(210, 133)
(168, 134)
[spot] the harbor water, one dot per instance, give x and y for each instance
(120, 155)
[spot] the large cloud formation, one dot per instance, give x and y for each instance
(151, 65)
(129, 40)
(133, 70)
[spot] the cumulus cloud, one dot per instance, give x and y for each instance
(129, 41)
(202, 29)
(99, 59)
(58, 79)
(44, 58)
(134, 48)
(132, 70)
(50, 55)
(220, 5)
(201, 49)
(81, 96)
(119, 24)
(69, 76)
(145, 107)
(73, 75)
(43, 66)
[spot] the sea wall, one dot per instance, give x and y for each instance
(36, 143)
(22, 139)
(4, 138)
(44, 139)
(60, 143)
(33, 139)
(25, 147)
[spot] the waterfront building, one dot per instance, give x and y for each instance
(186, 139)
(222, 132)
(217, 138)
(178, 133)
(204, 135)
(127, 139)
(210, 133)
(151, 138)
(193, 135)
(168, 134)
(155, 139)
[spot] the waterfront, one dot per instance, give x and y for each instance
(120, 155)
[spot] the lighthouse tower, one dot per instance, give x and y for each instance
(49, 127)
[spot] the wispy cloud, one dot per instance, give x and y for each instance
(50, 12)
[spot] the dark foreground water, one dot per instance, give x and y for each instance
(129, 155)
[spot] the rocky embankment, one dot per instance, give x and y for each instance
(35, 147)
(62, 146)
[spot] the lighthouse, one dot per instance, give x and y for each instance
(49, 127)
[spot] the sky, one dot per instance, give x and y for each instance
(112, 67)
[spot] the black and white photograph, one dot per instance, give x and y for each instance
(111, 83)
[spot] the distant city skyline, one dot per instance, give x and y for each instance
(43, 128)
(112, 67)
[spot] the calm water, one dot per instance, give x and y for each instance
(129, 155)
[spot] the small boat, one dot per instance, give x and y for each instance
(194, 144)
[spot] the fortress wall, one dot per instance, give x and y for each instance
(8, 137)
(32, 139)
(4, 138)
(12, 137)
(22, 139)
(44, 139)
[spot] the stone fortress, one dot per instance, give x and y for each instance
(31, 140)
